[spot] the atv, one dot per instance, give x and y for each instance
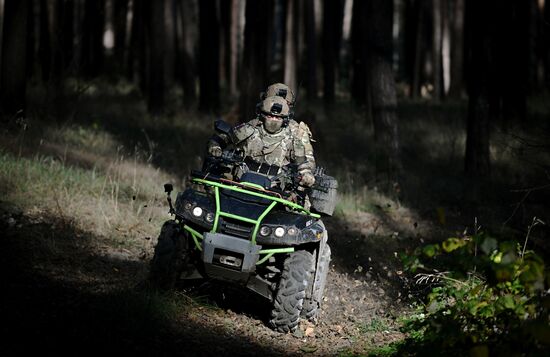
(252, 232)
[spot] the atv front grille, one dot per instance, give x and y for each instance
(236, 228)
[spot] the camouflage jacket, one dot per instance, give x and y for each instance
(291, 145)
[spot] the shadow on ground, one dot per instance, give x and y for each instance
(60, 295)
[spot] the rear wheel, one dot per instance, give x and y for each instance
(315, 292)
(291, 292)
(170, 256)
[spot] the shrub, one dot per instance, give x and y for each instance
(488, 297)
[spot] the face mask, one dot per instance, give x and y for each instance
(273, 124)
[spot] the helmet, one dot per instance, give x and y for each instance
(274, 112)
(280, 90)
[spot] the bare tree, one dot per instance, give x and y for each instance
(14, 46)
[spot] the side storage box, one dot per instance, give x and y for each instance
(323, 194)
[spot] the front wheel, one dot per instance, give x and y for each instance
(170, 256)
(312, 303)
(291, 292)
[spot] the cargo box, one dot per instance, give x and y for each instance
(323, 194)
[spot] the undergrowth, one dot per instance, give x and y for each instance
(488, 297)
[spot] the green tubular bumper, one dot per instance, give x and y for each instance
(274, 201)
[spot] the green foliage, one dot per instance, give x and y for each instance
(488, 297)
(375, 325)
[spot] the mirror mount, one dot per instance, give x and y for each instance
(168, 188)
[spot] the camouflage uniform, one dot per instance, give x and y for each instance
(290, 145)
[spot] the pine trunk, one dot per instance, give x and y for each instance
(157, 35)
(477, 162)
(333, 13)
(291, 47)
(381, 83)
(119, 26)
(359, 54)
(457, 50)
(209, 57)
(14, 48)
(311, 49)
(254, 69)
(92, 38)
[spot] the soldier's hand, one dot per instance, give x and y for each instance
(215, 151)
(306, 179)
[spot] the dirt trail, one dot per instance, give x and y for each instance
(65, 288)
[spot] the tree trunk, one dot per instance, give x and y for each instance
(68, 34)
(209, 57)
(254, 68)
(119, 26)
(233, 47)
(445, 48)
(477, 161)
(382, 86)
(418, 49)
(156, 90)
(92, 37)
(14, 47)
(44, 47)
(169, 43)
(333, 12)
(291, 46)
(185, 40)
(457, 50)
(546, 36)
(311, 49)
(225, 41)
(359, 54)
(31, 39)
(140, 46)
(436, 49)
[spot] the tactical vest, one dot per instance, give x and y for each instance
(290, 145)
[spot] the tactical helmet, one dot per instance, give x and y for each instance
(280, 90)
(274, 112)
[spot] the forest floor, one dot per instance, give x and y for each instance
(81, 205)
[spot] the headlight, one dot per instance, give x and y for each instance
(292, 231)
(197, 211)
(265, 231)
(279, 232)
(209, 217)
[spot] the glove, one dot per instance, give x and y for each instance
(306, 179)
(215, 151)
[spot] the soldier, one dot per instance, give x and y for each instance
(271, 138)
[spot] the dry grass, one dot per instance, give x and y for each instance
(81, 175)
